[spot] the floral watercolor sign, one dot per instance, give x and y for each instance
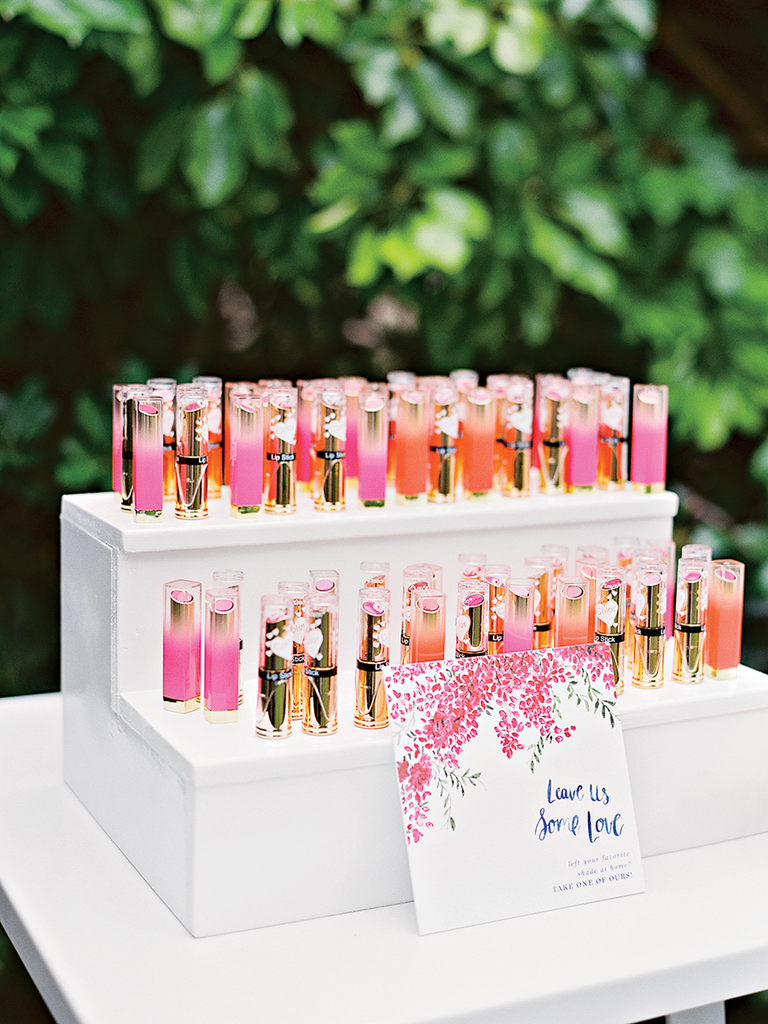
(513, 784)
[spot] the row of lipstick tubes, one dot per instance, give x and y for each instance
(431, 439)
(622, 605)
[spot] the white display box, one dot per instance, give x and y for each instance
(233, 832)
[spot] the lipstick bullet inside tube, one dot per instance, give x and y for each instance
(320, 667)
(472, 619)
(610, 616)
(372, 658)
(571, 611)
(182, 646)
(147, 458)
(191, 452)
(222, 654)
(297, 592)
(650, 613)
(273, 698)
(690, 620)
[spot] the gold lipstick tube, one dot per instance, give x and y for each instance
(320, 668)
(539, 568)
(650, 613)
(213, 388)
(516, 438)
(472, 619)
(372, 658)
(297, 592)
(191, 452)
(552, 407)
(329, 443)
(496, 576)
(613, 434)
(610, 616)
(127, 410)
(690, 621)
(443, 451)
(280, 453)
(273, 697)
(414, 578)
(165, 387)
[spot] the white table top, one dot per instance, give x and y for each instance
(104, 949)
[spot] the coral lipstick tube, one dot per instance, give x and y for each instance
(472, 619)
(246, 455)
(191, 453)
(571, 612)
(582, 436)
(610, 616)
(517, 437)
(650, 613)
(215, 420)
(478, 443)
(320, 668)
(147, 459)
(552, 409)
(165, 387)
(518, 617)
(613, 434)
(540, 570)
(222, 654)
(690, 621)
(280, 460)
(496, 575)
(297, 592)
(415, 578)
(372, 442)
(329, 441)
(443, 441)
(649, 437)
(372, 658)
(182, 646)
(273, 696)
(411, 446)
(427, 625)
(722, 650)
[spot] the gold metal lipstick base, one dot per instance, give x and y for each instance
(371, 706)
(371, 503)
(720, 673)
(181, 707)
(185, 513)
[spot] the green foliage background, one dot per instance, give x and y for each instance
(267, 188)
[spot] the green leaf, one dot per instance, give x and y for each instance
(440, 243)
(252, 19)
(21, 197)
(449, 104)
(663, 191)
(377, 74)
(63, 164)
(360, 149)
(462, 209)
(513, 152)
(721, 259)
(597, 217)
(398, 251)
(569, 260)
(466, 25)
(23, 125)
(519, 44)
(189, 277)
(440, 162)
(640, 15)
(196, 23)
(401, 120)
(265, 116)
(363, 265)
(213, 162)
(115, 15)
(59, 17)
(159, 149)
(221, 58)
(332, 216)
(314, 19)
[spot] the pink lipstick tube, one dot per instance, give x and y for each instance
(722, 649)
(690, 620)
(552, 415)
(375, 574)
(613, 434)
(517, 437)
(232, 579)
(610, 616)
(127, 411)
(471, 565)
(415, 578)
(588, 558)
(427, 625)
(182, 646)
(443, 442)
(571, 612)
(372, 444)
(246, 455)
(222, 654)
(353, 389)
(280, 464)
(306, 391)
(496, 575)
(166, 388)
(191, 452)
(147, 459)
(472, 619)
(518, 615)
(540, 570)
(324, 582)
(273, 696)
(411, 447)
(650, 613)
(320, 668)
(582, 437)
(297, 593)
(329, 441)
(372, 658)
(231, 388)
(478, 443)
(649, 437)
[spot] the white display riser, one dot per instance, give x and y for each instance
(233, 832)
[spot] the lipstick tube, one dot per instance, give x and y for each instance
(297, 593)
(213, 388)
(246, 455)
(625, 548)
(324, 582)
(571, 612)
(588, 558)
(372, 658)
(411, 446)
(701, 551)
(435, 573)
(496, 575)
(280, 462)
(353, 389)
(690, 621)
(231, 388)
(613, 434)
(127, 411)
(415, 578)
(397, 382)
(273, 695)
(497, 384)
(329, 441)
(182, 646)
(471, 565)
(320, 667)
(518, 615)
(610, 616)
(517, 437)
(232, 579)
(649, 437)
(552, 408)
(165, 387)
(479, 423)
(373, 437)
(472, 619)
(117, 439)
(582, 437)
(560, 556)
(147, 458)
(375, 574)
(650, 613)
(427, 625)
(443, 440)
(191, 452)
(540, 569)
(222, 655)
(722, 649)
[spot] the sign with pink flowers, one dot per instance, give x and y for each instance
(513, 784)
